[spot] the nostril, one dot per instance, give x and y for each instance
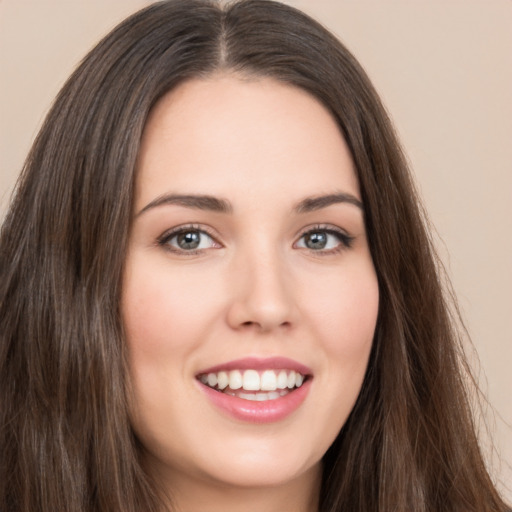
(256, 325)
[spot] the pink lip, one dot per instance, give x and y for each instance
(256, 363)
(259, 412)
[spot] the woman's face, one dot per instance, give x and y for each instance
(250, 297)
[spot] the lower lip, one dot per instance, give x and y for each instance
(250, 411)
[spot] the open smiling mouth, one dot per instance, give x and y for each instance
(254, 385)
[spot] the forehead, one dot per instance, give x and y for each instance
(227, 135)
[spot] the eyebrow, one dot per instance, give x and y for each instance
(215, 204)
(311, 204)
(197, 202)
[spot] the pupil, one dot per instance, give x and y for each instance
(189, 240)
(316, 240)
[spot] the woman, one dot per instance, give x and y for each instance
(217, 205)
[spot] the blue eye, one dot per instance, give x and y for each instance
(187, 240)
(324, 240)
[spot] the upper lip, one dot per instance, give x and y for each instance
(257, 363)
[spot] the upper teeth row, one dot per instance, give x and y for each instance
(251, 380)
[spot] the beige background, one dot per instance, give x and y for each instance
(444, 70)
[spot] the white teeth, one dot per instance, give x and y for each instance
(212, 380)
(235, 379)
(258, 397)
(273, 383)
(282, 380)
(251, 380)
(268, 381)
(291, 379)
(246, 396)
(222, 380)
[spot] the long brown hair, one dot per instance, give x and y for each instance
(65, 438)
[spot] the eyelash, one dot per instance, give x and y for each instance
(345, 240)
(164, 240)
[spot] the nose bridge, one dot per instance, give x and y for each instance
(262, 289)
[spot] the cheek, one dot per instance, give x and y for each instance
(161, 308)
(341, 310)
(345, 312)
(344, 320)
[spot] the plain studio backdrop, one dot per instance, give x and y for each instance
(444, 71)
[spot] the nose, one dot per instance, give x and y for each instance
(262, 296)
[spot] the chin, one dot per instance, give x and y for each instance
(261, 472)
(235, 465)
